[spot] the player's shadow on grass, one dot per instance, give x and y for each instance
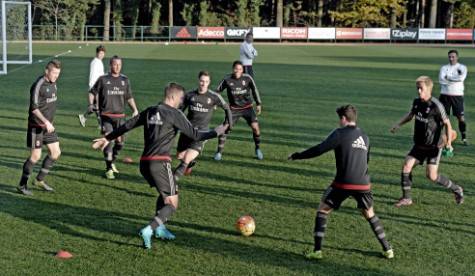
(259, 165)
(237, 136)
(64, 218)
(249, 251)
(418, 221)
(224, 192)
(224, 178)
(222, 231)
(22, 118)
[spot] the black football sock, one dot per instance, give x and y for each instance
(319, 230)
(48, 163)
(406, 183)
(116, 149)
(27, 169)
(108, 156)
(257, 140)
(162, 216)
(379, 232)
(463, 129)
(180, 170)
(221, 142)
(447, 183)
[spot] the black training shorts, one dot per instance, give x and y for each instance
(333, 197)
(109, 124)
(159, 175)
(431, 155)
(37, 137)
(452, 102)
(248, 114)
(185, 142)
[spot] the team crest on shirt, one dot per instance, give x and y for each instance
(193, 99)
(47, 90)
(243, 82)
(209, 101)
(108, 82)
(428, 110)
(231, 84)
(123, 83)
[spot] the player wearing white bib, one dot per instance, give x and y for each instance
(451, 78)
(247, 53)
(96, 69)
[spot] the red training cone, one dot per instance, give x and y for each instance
(62, 254)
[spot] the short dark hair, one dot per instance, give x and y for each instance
(453, 51)
(100, 48)
(172, 89)
(348, 111)
(54, 63)
(237, 62)
(249, 34)
(114, 57)
(203, 73)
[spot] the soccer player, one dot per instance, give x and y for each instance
(200, 103)
(96, 69)
(112, 91)
(430, 119)
(247, 53)
(43, 96)
(451, 78)
(161, 123)
(351, 147)
(241, 90)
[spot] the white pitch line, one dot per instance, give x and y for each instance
(43, 60)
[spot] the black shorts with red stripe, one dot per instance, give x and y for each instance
(157, 170)
(337, 193)
(247, 113)
(110, 123)
(37, 136)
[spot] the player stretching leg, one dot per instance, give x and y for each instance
(160, 124)
(351, 146)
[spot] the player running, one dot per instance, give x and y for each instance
(200, 103)
(96, 69)
(161, 124)
(241, 90)
(43, 97)
(430, 119)
(451, 78)
(112, 91)
(351, 147)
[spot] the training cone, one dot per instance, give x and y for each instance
(128, 160)
(62, 254)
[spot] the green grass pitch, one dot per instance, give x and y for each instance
(98, 220)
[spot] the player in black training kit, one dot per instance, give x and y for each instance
(161, 124)
(200, 103)
(430, 119)
(112, 91)
(351, 147)
(241, 90)
(43, 96)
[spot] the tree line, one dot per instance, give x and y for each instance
(76, 14)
